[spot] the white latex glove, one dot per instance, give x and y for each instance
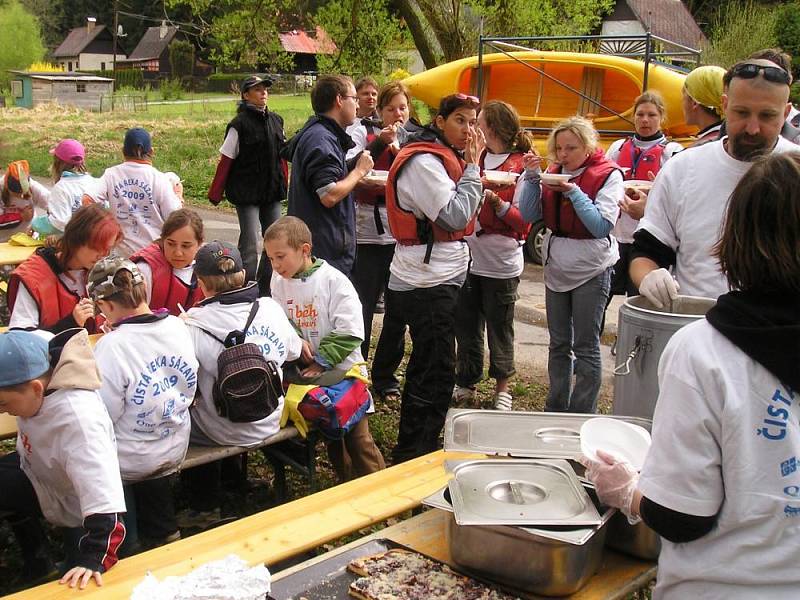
(614, 481)
(660, 287)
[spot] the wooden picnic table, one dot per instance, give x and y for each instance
(13, 255)
(307, 523)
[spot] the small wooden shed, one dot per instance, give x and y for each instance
(85, 91)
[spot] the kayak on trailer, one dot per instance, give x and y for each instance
(534, 83)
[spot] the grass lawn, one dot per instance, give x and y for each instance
(186, 137)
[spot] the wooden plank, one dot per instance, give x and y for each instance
(200, 455)
(280, 532)
(618, 577)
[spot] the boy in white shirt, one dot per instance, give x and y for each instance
(65, 466)
(140, 196)
(149, 380)
(227, 305)
(323, 305)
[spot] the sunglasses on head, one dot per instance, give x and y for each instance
(473, 99)
(750, 71)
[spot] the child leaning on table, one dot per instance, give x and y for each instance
(149, 372)
(226, 308)
(323, 305)
(65, 465)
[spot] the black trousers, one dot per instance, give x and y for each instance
(370, 276)
(391, 345)
(430, 376)
(19, 498)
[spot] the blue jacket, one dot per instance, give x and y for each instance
(317, 153)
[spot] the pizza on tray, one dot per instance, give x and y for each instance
(403, 575)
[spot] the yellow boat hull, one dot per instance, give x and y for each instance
(611, 84)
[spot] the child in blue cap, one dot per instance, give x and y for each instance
(65, 465)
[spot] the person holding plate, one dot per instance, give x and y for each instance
(487, 298)
(578, 197)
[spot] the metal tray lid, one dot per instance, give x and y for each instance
(575, 536)
(520, 434)
(520, 492)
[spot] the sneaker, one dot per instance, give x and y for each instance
(463, 394)
(380, 307)
(197, 519)
(502, 401)
(150, 543)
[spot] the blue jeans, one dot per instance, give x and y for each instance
(253, 222)
(573, 320)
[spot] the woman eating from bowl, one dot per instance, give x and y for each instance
(48, 291)
(641, 158)
(578, 197)
(487, 298)
(720, 482)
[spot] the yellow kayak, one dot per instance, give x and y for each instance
(610, 84)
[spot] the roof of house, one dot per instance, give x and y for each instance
(63, 76)
(301, 42)
(669, 19)
(152, 45)
(77, 39)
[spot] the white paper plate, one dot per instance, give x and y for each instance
(377, 176)
(639, 184)
(555, 178)
(624, 441)
(500, 177)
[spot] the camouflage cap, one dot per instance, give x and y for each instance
(101, 277)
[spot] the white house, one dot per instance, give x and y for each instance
(88, 48)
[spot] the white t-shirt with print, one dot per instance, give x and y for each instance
(317, 305)
(686, 208)
(149, 373)
(67, 195)
(726, 440)
(68, 453)
(626, 224)
(270, 331)
(568, 262)
(424, 188)
(141, 198)
(494, 255)
(26, 311)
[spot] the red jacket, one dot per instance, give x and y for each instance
(54, 299)
(640, 162)
(168, 290)
(404, 224)
(558, 213)
(511, 224)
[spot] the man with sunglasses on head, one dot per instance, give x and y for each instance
(320, 184)
(687, 203)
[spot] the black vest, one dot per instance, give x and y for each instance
(256, 175)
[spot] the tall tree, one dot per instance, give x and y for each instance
(364, 30)
(21, 42)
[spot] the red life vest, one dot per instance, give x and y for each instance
(168, 290)
(404, 224)
(559, 215)
(54, 299)
(640, 162)
(490, 222)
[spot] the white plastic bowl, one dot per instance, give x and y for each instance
(555, 178)
(625, 441)
(500, 177)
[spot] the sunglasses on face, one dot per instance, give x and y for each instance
(773, 74)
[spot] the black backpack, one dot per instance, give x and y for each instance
(248, 386)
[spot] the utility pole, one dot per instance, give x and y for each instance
(114, 54)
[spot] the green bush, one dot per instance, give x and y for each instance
(171, 89)
(221, 82)
(126, 78)
(739, 29)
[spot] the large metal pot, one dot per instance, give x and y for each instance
(557, 562)
(643, 333)
(635, 540)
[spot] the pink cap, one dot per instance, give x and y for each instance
(70, 151)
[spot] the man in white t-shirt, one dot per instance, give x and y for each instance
(687, 203)
(140, 196)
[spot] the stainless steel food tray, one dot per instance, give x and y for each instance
(520, 434)
(520, 492)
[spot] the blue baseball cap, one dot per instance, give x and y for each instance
(23, 356)
(137, 136)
